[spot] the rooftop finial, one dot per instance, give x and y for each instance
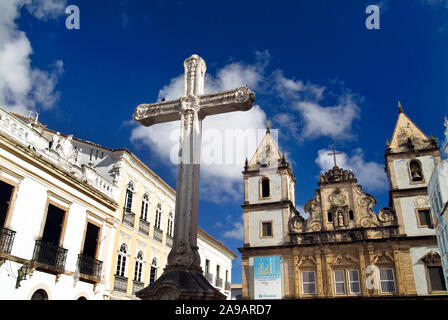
(400, 107)
(268, 127)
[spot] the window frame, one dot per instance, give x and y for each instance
(381, 281)
(419, 223)
(421, 171)
(271, 222)
(303, 282)
(265, 178)
(339, 282)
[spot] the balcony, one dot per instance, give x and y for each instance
(6, 240)
(144, 226)
(169, 241)
(90, 267)
(128, 217)
(157, 235)
(120, 284)
(218, 282)
(137, 286)
(209, 277)
(50, 255)
(227, 286)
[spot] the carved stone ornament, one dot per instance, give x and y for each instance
(242, 94)
(337, 174)
(432, 258)
(338, 198)
(421, 202)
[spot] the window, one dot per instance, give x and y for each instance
(266, 229)
(218, 271)
(308, 282)
(350, 215)
(129, 197)
(53, 225)
(39, 295)
(416, 171)
(265, 187)
(354, 283)
(121, 261)
(436, 279)
(153, 273)
(207, 266)
(158, 216)
(6, 192)
(424, 218)
(145, 205)
(170, 224)
(330, 217)
(138, 267)
(339, 281)
(387, 280)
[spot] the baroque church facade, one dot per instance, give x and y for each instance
(344, 248)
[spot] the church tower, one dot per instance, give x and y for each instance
(269, 196)
(410, 159)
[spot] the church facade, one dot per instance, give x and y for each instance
(344, 248)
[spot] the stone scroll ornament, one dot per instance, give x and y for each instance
(190, 110)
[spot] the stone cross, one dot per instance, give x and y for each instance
(334, 153)
(183, 278)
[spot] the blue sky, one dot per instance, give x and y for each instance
(322, 78)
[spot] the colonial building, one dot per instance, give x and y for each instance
(344, 248)
(56, 217)
(438, 197)
(79, 220)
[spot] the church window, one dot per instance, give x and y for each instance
(339, 281)
(145, 205)
(308, 282)
(354, 282)
(330, 216)
(436, 279)
(350, 215)
(138, 267)
(266, 229)
(387, 280)
(265, 187)
(415, 169)
(121, 260)
(424, 218)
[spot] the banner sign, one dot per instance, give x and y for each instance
(267, 278)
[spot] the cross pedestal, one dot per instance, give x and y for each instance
(183, 277)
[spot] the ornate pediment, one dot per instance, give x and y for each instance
(308, 260)
(432, 258)
(382, 257)
(342, 259)
(336, 175)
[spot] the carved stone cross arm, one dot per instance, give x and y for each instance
(240, 99)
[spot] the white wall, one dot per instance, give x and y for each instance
(402, 171)
(417, 253)
(256, 217)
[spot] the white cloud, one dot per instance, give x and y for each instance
(370, 175)
(22, 87)
(330, 121)
(237, 231)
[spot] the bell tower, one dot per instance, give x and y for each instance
(410, 159)
(269, 195)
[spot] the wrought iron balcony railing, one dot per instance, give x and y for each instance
(227, 286)
(218, 282)
(89, 266)
(169, 240)
(120, 284)
(128, 217)
(137, 286)
(157, 235)
(209, 277)
(144, 226)
(6, 240)
(49, 254)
